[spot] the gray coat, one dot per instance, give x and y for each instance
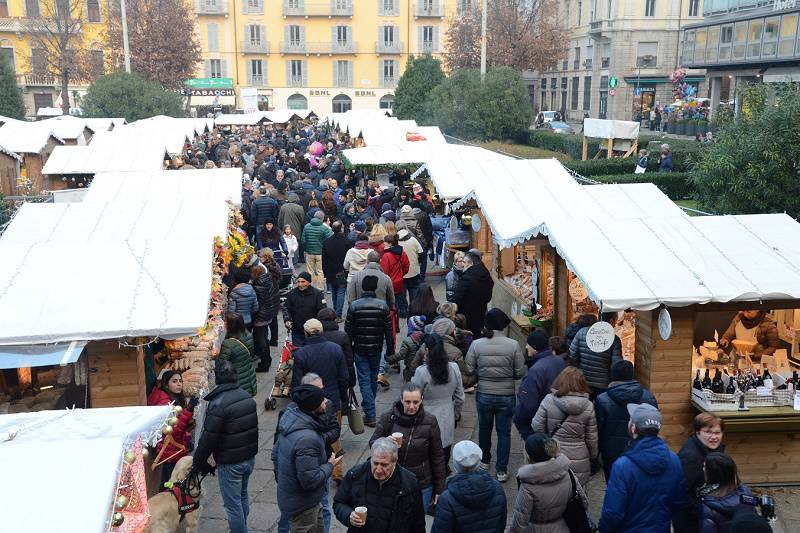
(571, 421)
(442, 401)
(544, 490)
(384, 292)
(497, 362)
(292, 214)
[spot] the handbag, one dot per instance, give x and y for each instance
(575, 513)
(355, 418)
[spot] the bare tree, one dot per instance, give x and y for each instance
(163, 42)
(57, 46)
(521, 34)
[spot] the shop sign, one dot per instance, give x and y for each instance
(664, 324)
(577, 291)
(612, 82)
(365, 93)
(211, 92)
(476, 222)
(600, 337)
(318, 92)
(211, 83)
(780, 5)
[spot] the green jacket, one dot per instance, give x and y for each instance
(314, 234)
(239, 352)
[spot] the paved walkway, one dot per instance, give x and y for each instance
(264, 512)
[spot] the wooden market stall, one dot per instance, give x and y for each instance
(620, 136)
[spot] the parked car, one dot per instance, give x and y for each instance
(549, 116)
(558, 127)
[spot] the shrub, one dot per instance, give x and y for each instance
(571, 145)
(676, 185)
(601, 167)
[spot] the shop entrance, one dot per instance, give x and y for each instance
(644, 98)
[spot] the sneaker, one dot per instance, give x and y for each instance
(287, 391)
(469, 390)
(339, 320)
(484, 467)
(502, 477)
(369, 422)
(383, 381)
(276, 391)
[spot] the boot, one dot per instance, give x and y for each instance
(286, 391)
(276, 391)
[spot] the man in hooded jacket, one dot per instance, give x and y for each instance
(292, 214)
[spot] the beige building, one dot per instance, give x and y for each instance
(621, 54)
(326, 55)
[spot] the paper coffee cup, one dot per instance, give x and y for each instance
(362, 512)
(398, 437)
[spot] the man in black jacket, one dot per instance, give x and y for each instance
(267, 312)
(390, 493)
(369, 324)
(334, 248)
(230, 434)
(596, 366)
(331, 331)
(474, 292)
(302, 303)
(324, 358)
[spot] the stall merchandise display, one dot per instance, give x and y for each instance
(46, 391)
(626, 331)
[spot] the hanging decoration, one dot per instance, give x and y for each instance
(130, 512)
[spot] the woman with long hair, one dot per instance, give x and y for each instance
(238, 349)
(313, 207)
(329, 206)
(424, 303)
(273, 239)
(721, 496)
(171, 392)
(567, 415)
(267, 258)
(440, 381)
(376, 236)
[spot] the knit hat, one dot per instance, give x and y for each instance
(307, 397)
(496, 319)
(386, 207)
(443, 327)
(269, 220)
(320, 215)
(466, 456)
(304, 275)
(390, 215)
(538, 340)
(294, 198)
(401, 226)
(622, 371)
(361, 226)
(369, 283)
(312, 326)
(415, 323)
(405, 209)
(536, 449)
(644, 416)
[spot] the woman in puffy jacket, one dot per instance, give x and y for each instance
(238, 349)
(452, 277)
(721, 496)
(171, 391)
(268, 260)
(273, 239)
(567, 415)
(243, 300)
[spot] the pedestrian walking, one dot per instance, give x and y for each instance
(454, 275)
(385, 291)
(265, 289)
(474, 291)
(314, 235)
(334, 251)
(596, 366)
(324, 358)
(497, 361)
(243, 299)
(238, 349)
(230, 435)
(302, 303)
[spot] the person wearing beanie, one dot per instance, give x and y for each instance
(369, 325)
(612, 415)
(544, 369)
(302, 466)
(302, 303)
(409, 347)
(497, 361)
(261, 209)
(545, 487)
(314, 235)
(413, 278)
(474, 292)
(324, 358)
(473, 501)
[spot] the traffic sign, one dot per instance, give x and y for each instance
(612, 82)
(612, 92)
(637, 91)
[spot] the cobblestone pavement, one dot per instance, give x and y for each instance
(264, 512)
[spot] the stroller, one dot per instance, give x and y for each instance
(283, 376)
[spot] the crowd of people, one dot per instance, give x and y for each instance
(343, 260)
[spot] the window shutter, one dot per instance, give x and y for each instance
(264, 73)
(286, 36)
(436, 38)
(262, 30)
(381, 11)
(302, 4)
(335, 76)
(288, 73)
(380, 73)
(379, 40)
(250, 72)
(396, 36)
(223, 68)
(334, 34)
(213, 39)
(208, 68)
(302, 35)
(260, 7)
(244, 7)
(305, 73)
(349, 73)
(420, 38)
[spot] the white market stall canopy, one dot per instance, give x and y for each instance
(418, 152)
(239, 119)
(378, 129)
(277, 116)
(65, 465)
(133, 259)
(26, 137)
(454, 169)
(610, 129)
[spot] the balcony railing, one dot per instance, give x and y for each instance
(255, 47)
(295, 81)
(213, 7)
(428, 9)
(317, 9)
(256, 79)
(389, 82)
(344, 81)
(647, 61)
(597, 27)
(427, 47)
(388, 47)
(37, 80)
(587, 64)
(319, 48)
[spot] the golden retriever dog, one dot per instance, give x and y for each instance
(164, 515)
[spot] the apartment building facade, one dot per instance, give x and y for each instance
(621, 53)
(39, 88)
(324, 55)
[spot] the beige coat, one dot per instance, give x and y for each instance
(577, 434)
(544, 490)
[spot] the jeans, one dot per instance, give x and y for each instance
(423, 264)
(273, 332)
(337, 297)
(411, 285)
(401, 302)
(367, 370)
(314, 267)
(232, 479)
(427, 496)
(261, 345)
(494, 409)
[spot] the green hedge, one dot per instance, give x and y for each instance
(571, 145)
(600, 167)
(676, 185)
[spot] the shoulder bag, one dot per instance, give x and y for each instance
(355, 417)
(575, 514)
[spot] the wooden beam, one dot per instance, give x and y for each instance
(610, 151)
(585, 149)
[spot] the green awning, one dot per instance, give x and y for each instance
(651, 80)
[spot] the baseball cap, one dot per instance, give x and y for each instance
(644, 416)
(466, 456)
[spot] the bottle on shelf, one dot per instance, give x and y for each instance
(768, 382)
(697, 384)
(759, 379)
(707, 380)
(717, 385)
(731, 388)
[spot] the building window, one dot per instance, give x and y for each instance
(575, 88)
(293, 4)
(386, 102)
(297, 101)
(93, 10)
(788, 34)
(647, 54)
(3, 8)
(255, 72)
(769, 47)
(296, 73)
(213, 37)
(215, 68)
(700, 45)
(589, 57)
(463, 6)
(713, 43)
(577, 63)
(739, 39)
(8, 53)
(587, 92)
(254, 6)
(649, 8)
(694, 7)
(725, 40)
(38, 61)
(96, 63)
(294, 35)
(427, 39)
(578, 17)
(387, 7)
(754, 35)
(342, 103)
(388, 35)
(342, 70)
(32, 9)
(341, 35)
(41, 100)
(254, 32)
(388, 73)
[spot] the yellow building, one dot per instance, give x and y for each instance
(39, 88)
(324, 55)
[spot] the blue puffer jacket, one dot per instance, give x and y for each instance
(472, 503)
(263, 207)
(612, 418)
(645, 489)
(243, 301)
(717, 512)
(301, 464)
(534, 387)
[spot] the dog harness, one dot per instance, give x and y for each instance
(186, 492)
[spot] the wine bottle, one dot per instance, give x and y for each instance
(731, 387)
(794, 378)
(768, 378)
(759, 379)
(717, 385)
(697, 384)
(707, 380)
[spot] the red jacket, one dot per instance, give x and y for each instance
(179, 430)
(395, 265)
(378, 247)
